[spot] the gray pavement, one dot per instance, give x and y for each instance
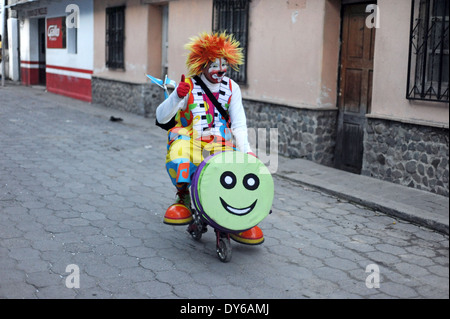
(80, 194)
(417, 206)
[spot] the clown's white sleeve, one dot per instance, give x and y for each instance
(238, 119)
(167, 109)
(241, 137)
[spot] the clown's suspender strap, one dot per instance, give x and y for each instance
(212, 98)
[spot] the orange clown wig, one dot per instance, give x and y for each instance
(207, 48)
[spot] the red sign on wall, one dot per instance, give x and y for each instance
(56, 33)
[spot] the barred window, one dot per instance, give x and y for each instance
(232, 16)
(428, 65)
(115, 27)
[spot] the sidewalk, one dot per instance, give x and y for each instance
(416, 206)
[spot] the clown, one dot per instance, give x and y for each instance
(200, 128)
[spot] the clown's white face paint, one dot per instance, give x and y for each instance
(215, 71)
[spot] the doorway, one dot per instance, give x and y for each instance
(41, 47)
(355, 87)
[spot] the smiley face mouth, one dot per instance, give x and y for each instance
(237, 211)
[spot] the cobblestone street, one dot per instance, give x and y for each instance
(79, 189)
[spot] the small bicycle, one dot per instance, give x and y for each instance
(231, 192)
(223, 244)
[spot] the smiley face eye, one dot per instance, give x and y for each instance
(251, 182)
(228, 180)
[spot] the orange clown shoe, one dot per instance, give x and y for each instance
(253, 236)
(179, 213)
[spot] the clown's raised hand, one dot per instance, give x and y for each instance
(183, 88)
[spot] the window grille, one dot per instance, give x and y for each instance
(428, 65)
(232, 16)
(115, 35)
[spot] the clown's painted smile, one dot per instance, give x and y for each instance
(237, 211)
(216, 70)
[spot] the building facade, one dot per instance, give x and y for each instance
(345, 82)
(55, 44)
(406, 134)
(358, 85)
(128, 45)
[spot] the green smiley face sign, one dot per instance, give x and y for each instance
(235, 191)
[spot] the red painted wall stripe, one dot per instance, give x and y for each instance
(32, 62)
(29, 76)
(70, 86)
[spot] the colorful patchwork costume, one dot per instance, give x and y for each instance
(200, 129)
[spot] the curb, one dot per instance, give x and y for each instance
(389, 207)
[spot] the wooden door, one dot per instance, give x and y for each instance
(355, 87)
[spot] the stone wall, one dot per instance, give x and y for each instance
(407, 154)
(302, 133)
(142, 99)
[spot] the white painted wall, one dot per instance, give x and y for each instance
(83, 59)
(13, 47)
(29, 40)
